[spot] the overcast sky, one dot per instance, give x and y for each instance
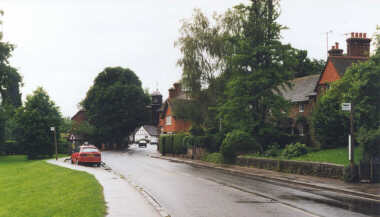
(63, 45)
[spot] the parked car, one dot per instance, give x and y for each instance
(86, 154)
(143, 143)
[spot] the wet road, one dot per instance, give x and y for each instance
(187, 191)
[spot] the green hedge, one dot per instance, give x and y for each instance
(179, 143)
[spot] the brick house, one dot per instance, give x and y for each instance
(306, 90)
(168, 123)
(358, 49)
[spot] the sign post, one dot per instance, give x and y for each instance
(351, 141)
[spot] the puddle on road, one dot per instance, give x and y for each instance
(366, 207)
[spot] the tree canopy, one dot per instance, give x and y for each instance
(34, 121)
(116, 104)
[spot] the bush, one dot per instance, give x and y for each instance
(294, 150)
(370, 140)
(272, 151)
(178, 144)
(196, 131)
(236, 141)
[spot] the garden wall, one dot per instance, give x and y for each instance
(297, 167)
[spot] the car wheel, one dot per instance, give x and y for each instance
(98, 164)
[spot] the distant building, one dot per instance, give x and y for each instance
(78, 118)
(169, 123)
(147, 132)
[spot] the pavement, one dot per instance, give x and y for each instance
(364, 190)
(123, 199)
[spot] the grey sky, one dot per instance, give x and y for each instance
(63, 45)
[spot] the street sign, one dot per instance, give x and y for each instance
(346, 106)
(52, 128)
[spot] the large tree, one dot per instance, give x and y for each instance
(116, 104)
(34, 121)
(260, 65)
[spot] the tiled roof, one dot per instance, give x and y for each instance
(301, 88)
(341, 63)
(152, 130)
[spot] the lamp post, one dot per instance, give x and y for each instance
(55, 142)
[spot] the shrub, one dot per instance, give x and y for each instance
(196, 131)
(236, 141)
(178, 144)
(294, 150)
(272, 151)
(370, 140)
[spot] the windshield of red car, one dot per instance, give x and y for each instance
(89, 150)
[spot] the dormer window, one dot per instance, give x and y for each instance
(301, 107)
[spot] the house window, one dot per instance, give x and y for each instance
(168, 120)
(301, 130)
(301, 107)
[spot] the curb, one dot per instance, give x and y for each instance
(367, 196)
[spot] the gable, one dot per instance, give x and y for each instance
(330, 74)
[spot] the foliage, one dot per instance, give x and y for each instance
(330, 124)
(261, 64)
(10, 79)
(178, 144)
(272, 151)
(34, 121)
(36, 188)
(196, 130)
(305, 66)
(294, 150)
(370, 140)
(116, 105)
(216, 158)
(85, 130)
(235, 142)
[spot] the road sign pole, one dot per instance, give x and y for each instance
(352, 142)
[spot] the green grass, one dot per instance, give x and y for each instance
(36, 188)
(336, 156)
(214, 158)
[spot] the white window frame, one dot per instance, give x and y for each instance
(301, 130)
(301, 107)
(168, 120)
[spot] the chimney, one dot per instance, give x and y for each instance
(335, 51)
(171, 93)
(358, 45)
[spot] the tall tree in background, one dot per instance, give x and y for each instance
(116, 105)
(34, 121)
(259, 66)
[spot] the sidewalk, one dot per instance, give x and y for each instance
(122, 199)
(368, 191)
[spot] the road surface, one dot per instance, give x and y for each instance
(187, 191)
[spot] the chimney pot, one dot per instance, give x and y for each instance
(352, 35)
(356, 35)
(364, 35)
(336, 45)
(360, 35)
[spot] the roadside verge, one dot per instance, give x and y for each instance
(122, 199)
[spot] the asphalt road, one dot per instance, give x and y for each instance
(187, 191)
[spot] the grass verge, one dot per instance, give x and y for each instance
(36, 188)
(335, 156)
(214, 158)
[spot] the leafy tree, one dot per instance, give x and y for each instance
(260, 65)
(305, 66)
(34, 121)
(116, 105)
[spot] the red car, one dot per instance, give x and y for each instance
(86, 154)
